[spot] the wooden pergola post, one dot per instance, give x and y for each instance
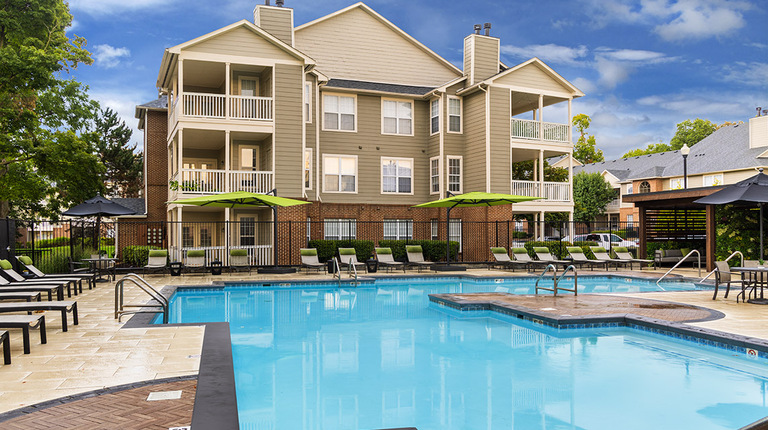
(711, 236)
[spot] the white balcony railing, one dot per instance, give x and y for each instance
(613, 205)
(529, 129)
(203, 105)
(209, 181)
(258, 255)
(552, 191)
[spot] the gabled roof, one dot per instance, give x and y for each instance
(362, 6)
(134, 204)
(535, 61)
(172, 52)
(159, 104)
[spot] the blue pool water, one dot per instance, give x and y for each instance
(382, 356)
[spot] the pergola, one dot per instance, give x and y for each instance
(672, 215)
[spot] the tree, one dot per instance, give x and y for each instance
(523, 171)
(585, 150)
(45, 163)
(652, 148)
(591, 194)
(124, 167)
(691, 132)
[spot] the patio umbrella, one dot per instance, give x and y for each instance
(98, 206)
(749, 191)
(474, 199)
(241, 199)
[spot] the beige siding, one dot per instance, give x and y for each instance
(531, 76)
(758, 132)
(500, 140)
(242, 42)
(485, 57)
(354, 45)
(289, 81)
(364, 144)
(313, 108)
(468, 55)
(276, 21)
(474, 153)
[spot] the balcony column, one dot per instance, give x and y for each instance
(180, 176)
(541, 174)
(227, 160)
(179, 241)
(180, 93)
(541, 117)
(227, 91)
(570, 174)
(570, 121)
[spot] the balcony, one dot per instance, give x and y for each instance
(209, 181)
(551, 191)
(613, 205)
(220, 106)
(539, 130)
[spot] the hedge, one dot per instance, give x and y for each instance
(558, 249)
(136, 255)
(327, 249)
(434, 250)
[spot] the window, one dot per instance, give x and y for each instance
(713, 180)
(307, 168)
(676, 184)
(454, 229)
(396, 117)
(454, 114)
(454, 174)
(339, 113)
(308, 101)
(397, 175)
(248, 86)
(630, 221)
(205, 237)
(340, 173)
(340, 229)
(249, 158)
(398, 229)
(434, 229)
(629, 188)
(247, 231)
(187, 241)
(434, 175)
(434, 116)
(644, 187)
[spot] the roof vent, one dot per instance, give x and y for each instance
(487, 27)
(279, 3)
(266, 2)
(478, 27)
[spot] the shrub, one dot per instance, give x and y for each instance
(136, 255)
(557, 249)
(434, 250)
(327, 249)
(521, 235)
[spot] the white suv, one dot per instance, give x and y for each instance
(606, 240)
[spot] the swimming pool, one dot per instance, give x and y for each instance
(380, 356)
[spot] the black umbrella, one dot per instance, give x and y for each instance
(98, 206)
(752, 190)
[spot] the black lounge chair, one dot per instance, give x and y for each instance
(27, 262)
(7, 268)
(6, 342)
(25, 322)
(21, 295)
(63, 306)
(28, 286)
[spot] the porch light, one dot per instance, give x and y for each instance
(685, 150)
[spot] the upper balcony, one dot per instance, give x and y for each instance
(528, 112)
(540, 130)
(549, 191)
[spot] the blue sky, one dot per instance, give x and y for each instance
(645, 65)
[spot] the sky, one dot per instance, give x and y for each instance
(644, 65)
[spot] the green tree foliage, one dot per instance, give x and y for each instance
(523, 171)
(688, 133)
(45, 164)
(652, 148)
(585, 149)
(591, 194)
(124, 167)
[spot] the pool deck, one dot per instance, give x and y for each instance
(100, 353)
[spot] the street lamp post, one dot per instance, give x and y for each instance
(685, 150)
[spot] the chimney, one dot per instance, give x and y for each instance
(275, 20)
(758, 131)
(481, 54)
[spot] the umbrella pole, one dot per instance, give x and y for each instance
(274, 238)
(761, 232)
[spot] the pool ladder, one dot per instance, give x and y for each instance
(351, 271)
(682, 260)
(726, 260)
(162, 301)
(555, 288)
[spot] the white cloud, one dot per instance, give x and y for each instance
(757, 45)
(549, 53)
(612, 73)
(633, 55)
(108, 56)
(584, 85)
(615, 65)
(692, 105)
(752, 74)
(111, 7)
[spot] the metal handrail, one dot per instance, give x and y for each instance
(554, 276)
(726, 260)
(682, 260)
(351, 268)
(575, 281)
(337, 270)
(147, 288)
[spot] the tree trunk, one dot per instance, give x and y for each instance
(5, 208)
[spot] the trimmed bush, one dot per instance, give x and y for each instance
(434, 250)
(327, 249)
(137, 256)
(557, 249)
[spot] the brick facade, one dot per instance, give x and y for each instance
(156, 159)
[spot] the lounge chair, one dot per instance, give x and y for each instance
(623, 253)
(27, 262)
(416, 256)
(238, 260)
(157, 259)
(15, 276)
(63, 306)
(384, 255)
(195, 259)
(6, 342)
(521, 255)
(50, 287)
(723, 276)
(601, 254)
(543, 254)
(501, 259)
(348, 257)
(309, 259)
(25, 322)
(577, 254)
(28, 296)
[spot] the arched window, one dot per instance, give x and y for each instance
(644, 187)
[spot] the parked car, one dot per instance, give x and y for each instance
(606, 240)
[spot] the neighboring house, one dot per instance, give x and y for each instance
(350, 112)
(727, 156)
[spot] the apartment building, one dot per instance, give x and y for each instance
(350, 112)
